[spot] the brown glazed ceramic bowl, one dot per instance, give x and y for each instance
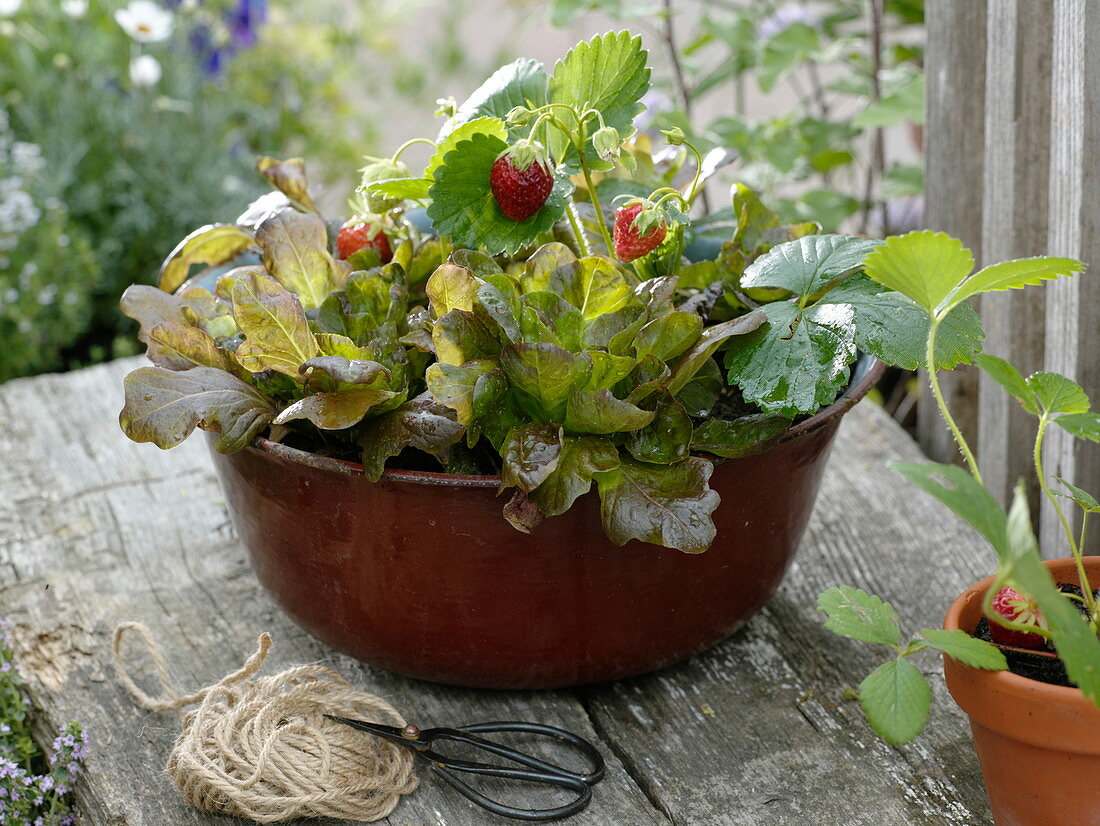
(420, 573)
(1039, 744)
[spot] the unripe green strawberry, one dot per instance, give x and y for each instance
(380, 170)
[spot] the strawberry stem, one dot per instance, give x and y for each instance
(409, 143)
(601, 222)
(930, 366)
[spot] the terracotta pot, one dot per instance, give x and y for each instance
(1038, 744)
(420, 574)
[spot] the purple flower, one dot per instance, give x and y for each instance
(244, 22)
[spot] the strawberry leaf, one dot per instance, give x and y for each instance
(896, 699)
(808, 265)
(855, 614)
(520, 83)
(925, 266)
(1083, 498)
(1009, 378)
(607, 73)
(464, 208)
(1081, 425)
(1014, 275)
(968, 650)
(1054, 393)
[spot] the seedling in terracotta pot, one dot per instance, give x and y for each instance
(523, 306)
(1023, 606)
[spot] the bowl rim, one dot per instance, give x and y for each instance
(868, 369)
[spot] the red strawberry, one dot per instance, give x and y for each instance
(629, 243)
(1011, 605)
(521, 180)
(357, 234)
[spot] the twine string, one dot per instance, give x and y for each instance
(262, 748)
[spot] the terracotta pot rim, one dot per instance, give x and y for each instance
(1006, 682)
(854, 393)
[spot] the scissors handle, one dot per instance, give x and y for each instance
(537, 771)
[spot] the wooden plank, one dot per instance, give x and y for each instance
(95, 530)
(954, 164)
(1072, 331)
(1016, 178)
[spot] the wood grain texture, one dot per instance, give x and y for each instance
(95, 530)
(954, 167)
(1016, 178)
(1072, 332)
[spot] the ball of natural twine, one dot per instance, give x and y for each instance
(263, 748)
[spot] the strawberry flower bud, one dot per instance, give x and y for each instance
(446, 107)
(674, 136)
(607, 143)
(518, 116)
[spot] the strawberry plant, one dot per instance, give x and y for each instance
(1024, 607)
(523, 306)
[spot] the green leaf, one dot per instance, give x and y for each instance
(960, 492)
(349, 370)
(295, 253)
(206, 311)
(478, 126)
(1081, 425)
(1082, 497)
(1014, 275)
(1054, 393)
(451, 287)
(420, 423)
(607, 370)
(896, 699)
(1009, 378)
(547, 317)
(181, 347)
(529, 455)
(890, 326)
(780, 54)
(520, 83)
(669, 505)
(464, 208)
(745, 436)
(580, 458)
(1077, 644)
(694, 360)
(459, 337)
(542, 263)
(923, 265)
(600, 412)
(669, 336)
(855, 614)
(401, 189)
(338, 410)
(289, 177)
(799, 362)
(211, 245)
(808, 265)
(277, 334)
(607, 73)
(905, 104)
(455, 385)
(968, 650)
(593, 285)
(545, 375)
(165, 406)
(667, 438)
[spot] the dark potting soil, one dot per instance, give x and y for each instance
(1042, 664)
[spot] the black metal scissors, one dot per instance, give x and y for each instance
(536, 771)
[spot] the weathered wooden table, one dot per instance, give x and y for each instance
(95, 530)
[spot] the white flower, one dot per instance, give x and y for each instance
(145, 70)
(9, 7)
(143, 20)
(75, 9)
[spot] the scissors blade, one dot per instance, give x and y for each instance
(391, 733)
